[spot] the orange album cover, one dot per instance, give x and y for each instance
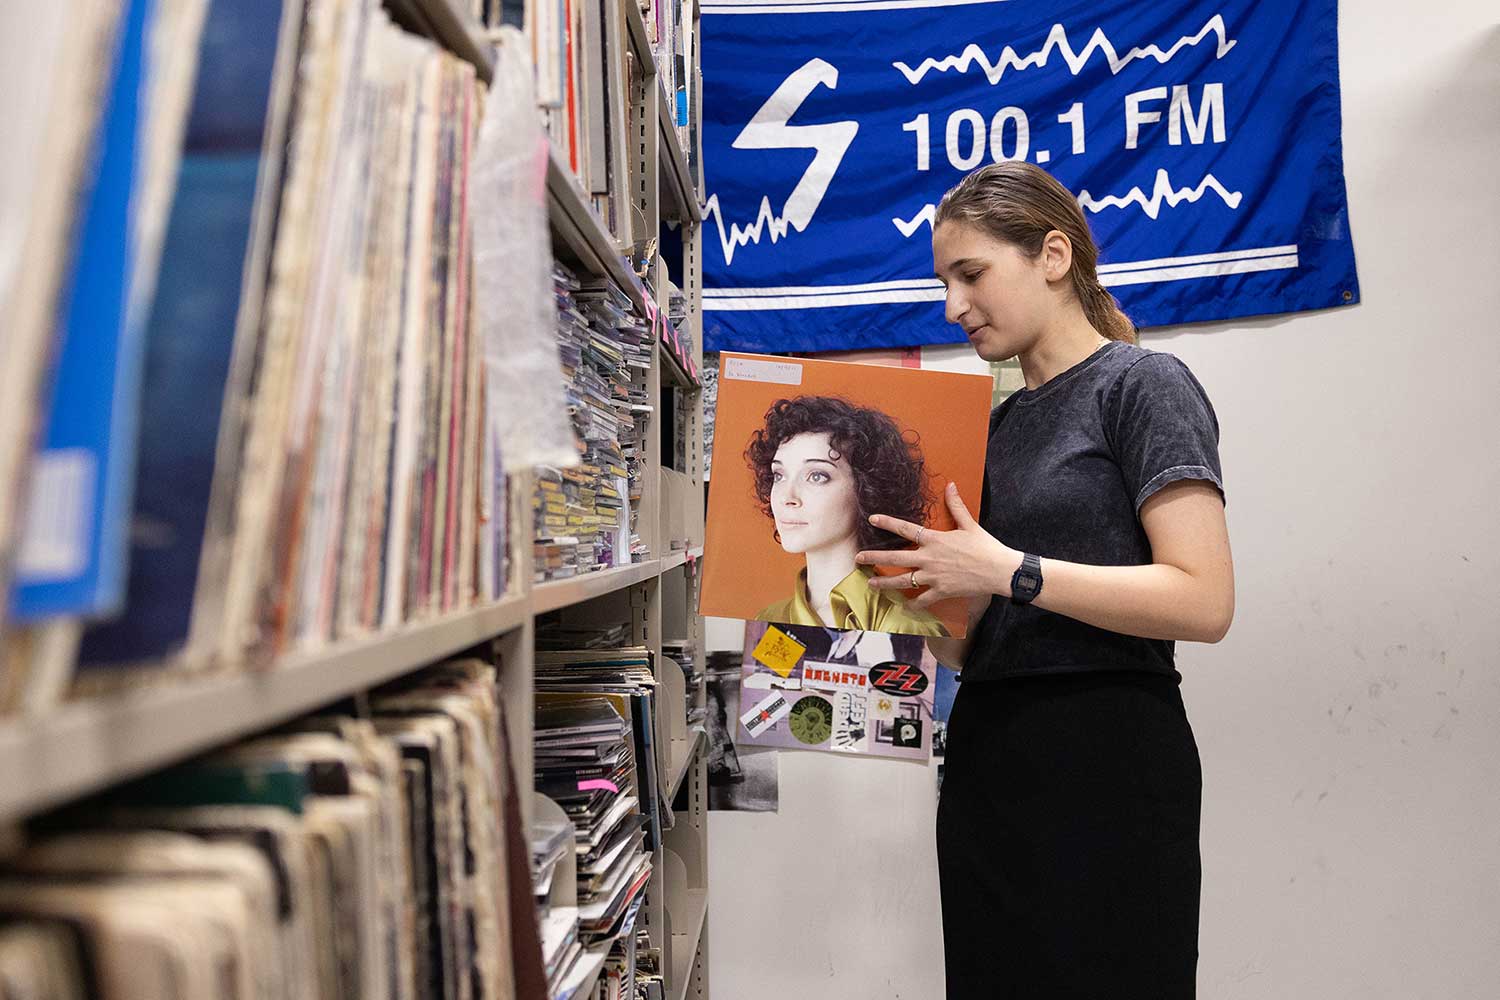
(804, 452)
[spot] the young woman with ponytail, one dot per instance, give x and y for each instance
(1068, 825)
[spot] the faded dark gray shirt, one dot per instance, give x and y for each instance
(1068, 466)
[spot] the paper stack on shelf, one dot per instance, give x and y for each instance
(553, 634)
(337, 857)
(585, 760)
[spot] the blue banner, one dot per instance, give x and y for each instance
(1202, 140)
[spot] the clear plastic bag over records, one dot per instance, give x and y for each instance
(513, 277)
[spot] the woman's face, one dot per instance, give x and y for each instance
(1000, 296)
(812, 494)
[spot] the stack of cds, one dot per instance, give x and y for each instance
(710, 404)
(584, 516)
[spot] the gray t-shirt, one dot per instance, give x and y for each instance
(1068, 466)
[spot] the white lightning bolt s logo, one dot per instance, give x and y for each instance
(768, 129)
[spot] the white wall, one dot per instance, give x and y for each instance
(1350, 723)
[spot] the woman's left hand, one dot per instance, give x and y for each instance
(965, 562)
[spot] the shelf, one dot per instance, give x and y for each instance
(680, 557)
(685, 945)
(693, 745)
(560, 593)
(83, 747)
(583, 233)
(673, 370)
(640, 41)
(675, 164)
(449, 23)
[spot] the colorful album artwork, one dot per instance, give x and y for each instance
(806, 452)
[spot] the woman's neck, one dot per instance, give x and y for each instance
(826, 569)
(1060, 347)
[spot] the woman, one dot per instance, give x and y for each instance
(1068, 824)
(821, 466)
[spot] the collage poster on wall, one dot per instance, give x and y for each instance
(812, 688)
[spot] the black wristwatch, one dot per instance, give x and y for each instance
(1026, 582)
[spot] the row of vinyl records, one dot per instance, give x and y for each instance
(586, 77)
(247, 406)
(294, 413)
(374, 852)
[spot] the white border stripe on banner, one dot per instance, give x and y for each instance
(829, 6)
(1200, 270)
(753, 303)
(930, 290)
(909, 284)
(1202, 258)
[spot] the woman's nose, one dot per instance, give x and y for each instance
(954, 307)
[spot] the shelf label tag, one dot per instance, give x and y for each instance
(756, 370)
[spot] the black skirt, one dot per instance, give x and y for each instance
(1068, 839)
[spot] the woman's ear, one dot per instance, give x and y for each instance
(1057, 255)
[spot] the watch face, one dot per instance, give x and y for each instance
(1027, 582)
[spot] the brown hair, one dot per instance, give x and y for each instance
(890, 475)
(1019, 203)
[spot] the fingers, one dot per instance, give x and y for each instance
(924, 600)
(901, 581)
(889, 557)
(895, 525)
(957, 508)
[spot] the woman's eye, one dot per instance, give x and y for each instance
(818, 477)
(777, 477)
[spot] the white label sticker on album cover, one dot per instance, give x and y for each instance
(754, 370)
(766, 714)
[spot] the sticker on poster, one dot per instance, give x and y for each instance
(812, 720)
(766, 714)
(850, 722)
(779, 651)
(904, 680)
(834, 676)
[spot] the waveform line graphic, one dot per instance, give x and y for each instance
(908, 228)
(1057, 41)
(1162, 191)
(738, 236)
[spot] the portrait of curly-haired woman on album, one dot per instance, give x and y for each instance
(821, 466)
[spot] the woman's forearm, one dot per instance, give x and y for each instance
(1156, 601)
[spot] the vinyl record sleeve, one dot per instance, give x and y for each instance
(789, 507)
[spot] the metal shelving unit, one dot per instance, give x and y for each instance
(91, 744)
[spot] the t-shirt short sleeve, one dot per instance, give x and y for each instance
(1162, 427)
